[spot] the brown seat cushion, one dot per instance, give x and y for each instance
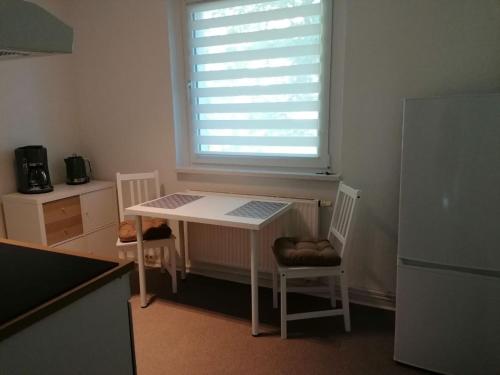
(294, 252)
(152, 229)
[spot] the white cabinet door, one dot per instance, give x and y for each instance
(99, 209)
(78, 245)
(22, 221)
(103, 242)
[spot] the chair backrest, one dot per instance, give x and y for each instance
(141, 187)
(343, 216)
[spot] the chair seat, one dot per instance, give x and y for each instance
(296, 253)
(152, 229)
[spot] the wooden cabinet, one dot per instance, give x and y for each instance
(83, 218)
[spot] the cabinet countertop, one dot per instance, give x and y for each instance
(37, 281)
(60, 191)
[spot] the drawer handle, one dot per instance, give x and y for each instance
(65, 231)
(63, 210)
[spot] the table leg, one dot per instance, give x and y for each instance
(254, 269)
(182, 245)
(140, 260)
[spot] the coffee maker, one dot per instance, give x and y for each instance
(32, 170)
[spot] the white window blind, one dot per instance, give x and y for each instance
(255, 77)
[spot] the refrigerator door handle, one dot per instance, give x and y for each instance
(446, 267)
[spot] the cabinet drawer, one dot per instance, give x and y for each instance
(63, 219)
(63, 229)
(61, 209)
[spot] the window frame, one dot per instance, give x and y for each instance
(322, 162)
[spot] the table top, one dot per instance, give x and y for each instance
(37, 280)
(214, 208)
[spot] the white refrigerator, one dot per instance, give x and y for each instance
(448, 279)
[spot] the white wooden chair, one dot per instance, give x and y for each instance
(143, 187)
(339, 237)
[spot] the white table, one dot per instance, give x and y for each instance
(212, 208)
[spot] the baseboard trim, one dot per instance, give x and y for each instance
(372, 298)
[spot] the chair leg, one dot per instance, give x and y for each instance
(162, 260)
(183, 264)
(283, 305)
(331, 284)
(275, 287)
(345, 302)
(173, 266)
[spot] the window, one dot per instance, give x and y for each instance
(258, 82)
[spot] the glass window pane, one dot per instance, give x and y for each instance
(233, 47)
(258, 64)
(306, 115)
(262, 150)
(259, 132)
(242, 9)
(258, 26)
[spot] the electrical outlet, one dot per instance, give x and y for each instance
(325, 203)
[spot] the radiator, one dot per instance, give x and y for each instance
(230, 247)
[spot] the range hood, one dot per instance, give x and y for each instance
(26, 29)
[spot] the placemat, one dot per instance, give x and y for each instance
(172, 201)
(257, 209)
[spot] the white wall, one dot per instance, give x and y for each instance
(37, 106)
(397, 49)
(393, 49)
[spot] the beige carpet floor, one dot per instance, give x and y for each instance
(205, 329)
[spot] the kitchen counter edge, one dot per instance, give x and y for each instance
(34, 315)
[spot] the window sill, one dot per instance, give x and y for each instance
(259, 173)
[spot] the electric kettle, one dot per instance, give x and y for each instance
(76, 170)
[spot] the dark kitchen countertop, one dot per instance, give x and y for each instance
(36, 281)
